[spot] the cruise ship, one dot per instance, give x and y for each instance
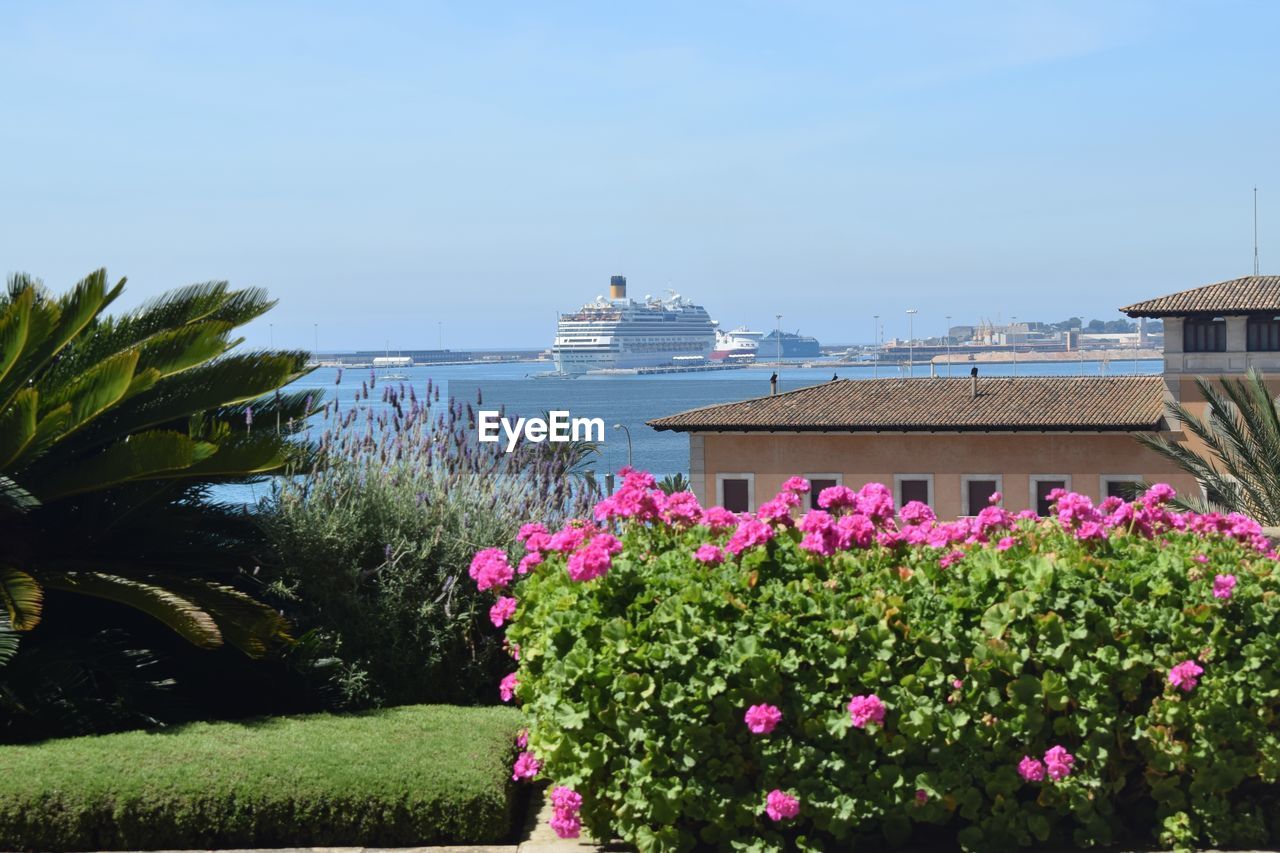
(621, 333)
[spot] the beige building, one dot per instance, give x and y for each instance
(953, 442)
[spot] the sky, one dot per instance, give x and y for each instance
(403, 174)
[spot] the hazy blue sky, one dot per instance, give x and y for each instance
(384, 167)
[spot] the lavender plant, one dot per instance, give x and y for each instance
(372, 542)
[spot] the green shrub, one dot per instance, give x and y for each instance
(397, 777)
(372, 546)
(987, 640)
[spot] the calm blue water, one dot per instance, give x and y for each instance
(632, 400)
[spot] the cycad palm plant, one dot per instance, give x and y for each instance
(113, 430)
(1240, 466)
(673, 483)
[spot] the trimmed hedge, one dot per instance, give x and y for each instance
(393, 777)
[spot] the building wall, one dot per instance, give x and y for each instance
(863, 458)
(1236, 360)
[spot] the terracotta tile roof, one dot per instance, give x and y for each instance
(1238, 296)
(1034, 403)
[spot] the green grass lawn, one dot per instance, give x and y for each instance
(399, 776)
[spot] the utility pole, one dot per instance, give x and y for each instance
(911, 342)
(948, 341)
(875, 346)
(1013, 321)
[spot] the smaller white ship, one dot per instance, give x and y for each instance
(392, 367)
(741, 344)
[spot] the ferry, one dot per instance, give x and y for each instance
(740, 345)
(620, 332)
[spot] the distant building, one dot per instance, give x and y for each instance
(948, 442)
(417, 356)
(1223, 329)
(953, 442)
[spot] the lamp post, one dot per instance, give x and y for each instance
(875, 346)
(628, 432)
(1014, 322)
(778, 331)
(271, 334)
(315, 330)
(948, 341)
(911, 341)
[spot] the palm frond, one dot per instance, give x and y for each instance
(179, 613)
(18, 426)
(144, 456)
(8, 640)
(1239, 467)
(14, 324)
(246, 623)
(22, 597)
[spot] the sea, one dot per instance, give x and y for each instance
(628, 401)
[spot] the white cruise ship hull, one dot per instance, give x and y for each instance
(578, 361)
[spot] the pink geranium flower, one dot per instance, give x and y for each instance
(591, 562)
(501, 611)
(1223, 585)
(763, 719)
(1031, 769)
(566, 802)
(709, 554)
(566, 539)
(749, 534)
(866, 709)
(796, 484)
(681, 508)
(489, 568)
(780, 805)
(1185, 676)
(837, 497)
(507, 686)
(529, 530)
(916, 512)
(526, 767)
(718, 518)
(1058, 763)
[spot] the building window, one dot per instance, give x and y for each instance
(1204, 335)
(912, 487)
(1119, 486)
(1042, 485)
(977, 489)
(818, 482)
(736, 492)
(1263, 334)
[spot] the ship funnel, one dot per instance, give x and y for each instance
(618, 287)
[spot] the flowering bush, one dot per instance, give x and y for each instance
(851, 675)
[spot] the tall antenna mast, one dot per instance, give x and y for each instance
(1255, 230)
